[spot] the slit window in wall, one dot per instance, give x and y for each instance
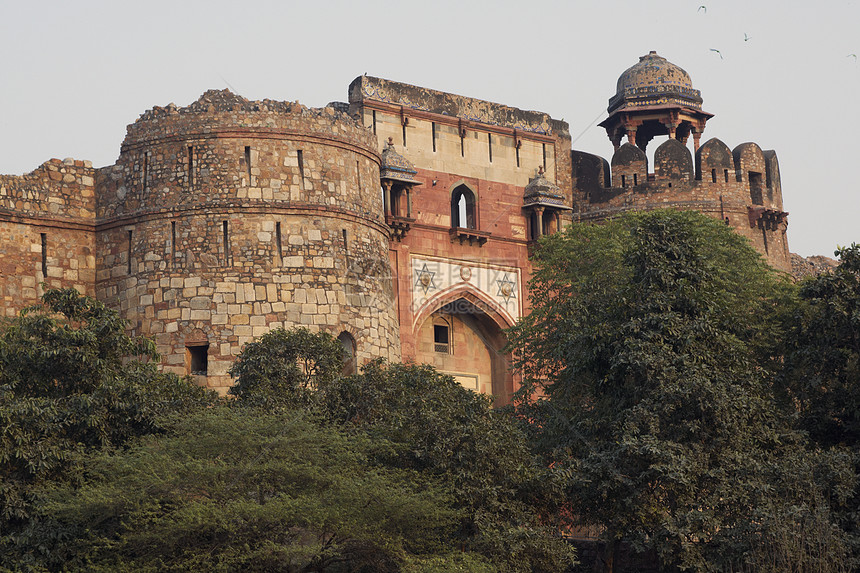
(278, 243)
(636, 180)
(404, 134)
(345, 242)
(490, 145)
(713, 175)
(146, 171)
(358, 174)
(190, 166)
(517, 150)
(624, 181)
(543, 150)
(462, 143)
(128, 253)
(197, 358)
(301, 159)
(433, 134)
(173, 240)
(374, 121)
(726, 174)
(248, 163)
(226, 239)
(44, 239)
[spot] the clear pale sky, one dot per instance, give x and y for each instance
(74, 74)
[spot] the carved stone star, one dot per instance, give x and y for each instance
(424, 279)
(506, 288)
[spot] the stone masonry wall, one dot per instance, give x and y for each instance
(47, 232)
(228, 218)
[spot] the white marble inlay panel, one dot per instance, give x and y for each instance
(436, 278)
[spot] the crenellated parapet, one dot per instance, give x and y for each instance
(740, 186)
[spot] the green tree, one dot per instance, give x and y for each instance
(431, 425)
(822, 368)
(648, 360)
(823, 353)
(239, 489)
(434, 425)
(72, 380)
(286, 366)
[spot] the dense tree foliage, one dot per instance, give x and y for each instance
(653, 343)
(71, 380)
(244, 490)
(823, 353)
(510, 501)
(434, 426)
(286, 367)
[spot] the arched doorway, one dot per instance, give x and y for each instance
(465, 338)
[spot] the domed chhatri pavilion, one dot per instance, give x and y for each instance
(655, 97)
(400, 222)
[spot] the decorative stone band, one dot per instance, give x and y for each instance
(438, 281)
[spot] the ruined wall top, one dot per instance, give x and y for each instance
(368, 88)
(219, 110)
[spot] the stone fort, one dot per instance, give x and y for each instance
(400, 221)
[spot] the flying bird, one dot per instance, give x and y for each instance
(705, 8)
(718, 52)
(746, 38)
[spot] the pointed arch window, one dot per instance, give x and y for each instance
(464, 208)
(350, 364)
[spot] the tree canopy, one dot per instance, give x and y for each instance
(71, 380)
(651, 348)
(239, 489)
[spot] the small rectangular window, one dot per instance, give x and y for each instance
(490, 145)
(248, 163)
(197, 359)
(517, 149)
(636, 180)
(173, 240)
(433, 134)
(146, 171)
(726, 174)
(544, 154)
(441, 341)
(404, 134)
(713, 175)
(624, 181)
(374, 122)
(345, 242)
